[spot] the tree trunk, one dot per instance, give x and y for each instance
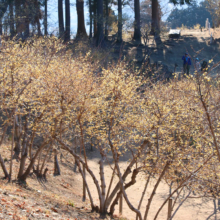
(154, 190)
(11, 14)
(17, 15)
(60, 18)
(38, 28)
(0, 26)
(137, 25)
(103, 187)
(95, 20)
(27, 29)
(45, 18)
(3, 167)
(81, 30)
(67, 25)
(56, 165)
(126, 173)
(132, 182)
(17, 137)
(106, 19)
(100, 34)
(28, 170)
(155, 25)
(12, 147)
(119, 39)
(4, 6)
(90, 18)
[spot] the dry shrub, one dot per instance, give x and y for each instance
(169, 130)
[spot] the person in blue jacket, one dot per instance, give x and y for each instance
(186, 63)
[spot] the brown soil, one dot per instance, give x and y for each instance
(60, 197)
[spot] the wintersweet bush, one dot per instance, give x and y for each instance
(51, 99)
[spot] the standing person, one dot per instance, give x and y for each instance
(198, 65)
(186, 63)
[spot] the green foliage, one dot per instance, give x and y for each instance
(190, 16)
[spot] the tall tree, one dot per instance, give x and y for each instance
(60, 18)
(94, 6)
(119, 39)
(37, 15)
(90, 18)
(106, 18)
(81, 30)
(45, 18)
(67, 23)
(137, 25)
(100, 35)
(1, 27)
(26, 19)
(155, 22)
(11, 15)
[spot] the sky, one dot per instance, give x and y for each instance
(53, 14)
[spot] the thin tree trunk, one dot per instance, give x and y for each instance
(180, 205)
(28, 170)
(3, 167)
(119, 39)
(17, 136)
(45, 18)
(109, 188)
(1, 160)
(154, 190)
(182, 184)
(1, 27)
(209, 122)
(106, 19)
(100, 35)
(121, 181)
(67, 23)
(17, 15)
(103, 187)
(60, 18)
(90, 18)
(87, 187)
(11, 14)
(45, 159)
(56, 164)
(95, 18)
(27, 28)
(143, 194)
(124, 193)
(81, 30)
(137, 25)
(82, 141)
(23, 160)
(38, 28)
(12, 147)
(155, 25)
(127, 172)
(132, 182)
(77, 158)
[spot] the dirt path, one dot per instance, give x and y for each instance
(193, 209)
(195, 42)
(64, 194)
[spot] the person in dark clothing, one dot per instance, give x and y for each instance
(186, 63)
